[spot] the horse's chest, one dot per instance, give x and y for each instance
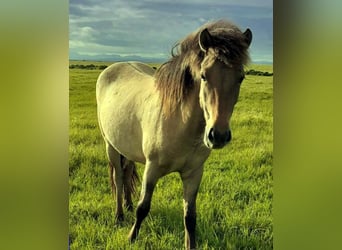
(184, 159)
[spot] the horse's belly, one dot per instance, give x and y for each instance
(123, 132)
(130, 150)
(127, 144)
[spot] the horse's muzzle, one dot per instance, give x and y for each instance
(217, 139)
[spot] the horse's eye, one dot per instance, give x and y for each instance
(203, 77)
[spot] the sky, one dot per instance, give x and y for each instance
(146, 30)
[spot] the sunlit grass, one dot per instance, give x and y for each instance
(234, 203)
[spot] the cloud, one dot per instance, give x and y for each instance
(151, 28)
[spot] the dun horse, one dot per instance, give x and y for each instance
(170, 119)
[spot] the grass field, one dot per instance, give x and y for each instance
(234, 204)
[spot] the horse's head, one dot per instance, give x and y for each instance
(219, 89)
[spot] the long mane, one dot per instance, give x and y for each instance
(175, 78)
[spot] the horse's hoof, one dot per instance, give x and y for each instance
(132, 235)
(129, 207)
(131, 239)
(119, 219)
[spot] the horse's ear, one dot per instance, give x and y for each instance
(248, 36)
(205, 40)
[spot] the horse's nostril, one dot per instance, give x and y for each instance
(228, 136)
(211, 135)
(219, 139)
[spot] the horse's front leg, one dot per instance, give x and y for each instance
(149, 181)
(191, 181)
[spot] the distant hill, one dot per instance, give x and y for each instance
(117, 58)
(253, 69)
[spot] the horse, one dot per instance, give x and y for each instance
(170, 119)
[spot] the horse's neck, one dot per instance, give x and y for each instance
(192, 114)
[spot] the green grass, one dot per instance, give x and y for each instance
(234, 204)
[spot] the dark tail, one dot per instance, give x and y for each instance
(131, 177)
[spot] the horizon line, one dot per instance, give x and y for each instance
(153, 60)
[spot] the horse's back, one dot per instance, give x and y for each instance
(122, 79)
(125, 72)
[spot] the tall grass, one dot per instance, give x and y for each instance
(234, 203)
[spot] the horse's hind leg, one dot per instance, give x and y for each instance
(116, 177)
